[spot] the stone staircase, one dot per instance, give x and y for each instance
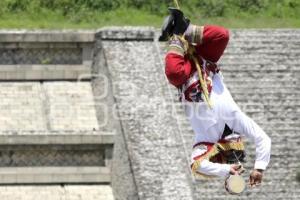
(49, 131)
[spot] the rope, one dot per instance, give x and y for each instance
(182, 139)
(198, 66)
(177, 4)
(202, 81)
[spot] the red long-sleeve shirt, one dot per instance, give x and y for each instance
(214, 41)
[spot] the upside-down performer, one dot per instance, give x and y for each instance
(217, 121)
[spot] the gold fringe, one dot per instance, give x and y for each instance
(177, 50)
(231, 146)
(197, 34)
(214, 151)
(184, 42)
(202, 82)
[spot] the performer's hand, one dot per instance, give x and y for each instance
(236, 169)
(255, 177)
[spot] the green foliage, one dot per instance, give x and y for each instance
(102, 11)
(211, 8)
(207, 8)
(253, 6)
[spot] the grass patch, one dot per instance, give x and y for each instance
(88, 20)
(46, 19)
(258, 22)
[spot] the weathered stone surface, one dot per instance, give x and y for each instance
(46, 55)
(47, 36)
(52, 192)
(127, 33)
(150, 131)
(61, 55)
(71, 106)
(55, 106)
(55, 137)
(123, 180)
(21, 107)
(54, 155)
(44, 72)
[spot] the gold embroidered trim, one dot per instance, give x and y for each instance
(212, 152)
(176, 50)
(197, 34)
(231, 146)
(239, 145)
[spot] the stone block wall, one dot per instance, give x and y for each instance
(45, 55)
(48, 126)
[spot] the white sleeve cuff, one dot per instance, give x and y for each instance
(260, 165)
(226, 169)
(215, 169)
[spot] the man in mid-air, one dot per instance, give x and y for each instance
(218, 128)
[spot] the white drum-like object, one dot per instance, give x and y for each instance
(235, 184)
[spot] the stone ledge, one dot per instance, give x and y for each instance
(47, 35)
(44, 72)
(53, 139)
(126, 33)
(57, 192)
(106, 33)
(79, 36)
(50, 175)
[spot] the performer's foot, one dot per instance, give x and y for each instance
(167, 28)
(181, 23)
(175, 23)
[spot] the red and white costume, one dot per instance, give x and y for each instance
(209, 124)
